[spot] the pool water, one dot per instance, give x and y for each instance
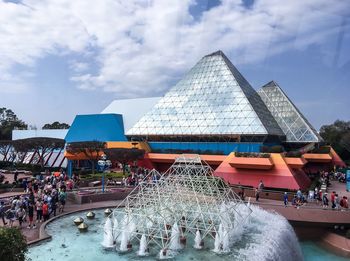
(258, 242)
(313, 252)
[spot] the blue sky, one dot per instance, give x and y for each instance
(59, 58)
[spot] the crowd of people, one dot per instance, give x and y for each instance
(140, 176)
(318, 196)
(44, 197)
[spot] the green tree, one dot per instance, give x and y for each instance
(8, 122)
(124, 156)
(4, 148)
(338, 136)
(56, 125)
(92, 150)
(42, 147)
(13, 246)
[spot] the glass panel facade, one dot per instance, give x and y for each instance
(288, 117)
(212, 99)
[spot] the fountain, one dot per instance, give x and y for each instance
(108, 240)
(267, 236)
(198, 240)
(225, 241)
(143, 246)
(124, 241)
(187, 194)
(217, 243)
(187, 202)
(175, 238)
(116, 232)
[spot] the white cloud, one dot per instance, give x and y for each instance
(144, 45)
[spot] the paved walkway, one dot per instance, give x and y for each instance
(10, 177)
(310, 213)
(339, 188)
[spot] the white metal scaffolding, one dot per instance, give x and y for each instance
(187, 196)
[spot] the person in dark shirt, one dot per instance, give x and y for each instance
(2, 212)
(31, 215)
(15, 177)
(54, 202)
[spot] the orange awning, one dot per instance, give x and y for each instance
(170, 158)
(314, 157)
(295, 163)
(251, 163)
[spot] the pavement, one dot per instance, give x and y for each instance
(10, 176)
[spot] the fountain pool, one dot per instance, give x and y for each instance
(265, 237)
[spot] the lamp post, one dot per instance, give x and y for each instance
(104, 164)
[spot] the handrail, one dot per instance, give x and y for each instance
(310, 207)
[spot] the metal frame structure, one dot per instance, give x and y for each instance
(293, 123)
(187, 196)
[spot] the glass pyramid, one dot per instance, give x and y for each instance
(289, 118)
(212, 99)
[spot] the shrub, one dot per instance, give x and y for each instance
(293, 154)
(322, 150)
(272, 149)
(251, 155)
(13, 246)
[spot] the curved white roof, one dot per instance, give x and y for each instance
(131, 109)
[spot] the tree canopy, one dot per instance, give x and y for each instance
(42, 146)
(91, 149)
(8, 122)
(124, 156)
(13, 246)
(4, 147)
(56, 125)
(338, 136)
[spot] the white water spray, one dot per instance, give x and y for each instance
(108, 240)
(217, 243)
(124, 241)
(143, 246)
(116, 231)
(197, 240)
(175, 238)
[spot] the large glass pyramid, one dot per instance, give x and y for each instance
(212, 99)
(288, 117)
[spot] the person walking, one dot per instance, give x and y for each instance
(257, 194)
(21, 213)
(325, 200)
(45, 211)
(337, 202)
(333, 199)
(261, 186)
(62, 197)
(31, 215)
(285, 199)
(54, 203)
(2, 212)
(39, 210)
(11, 215)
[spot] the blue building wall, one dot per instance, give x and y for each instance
(214, 147)
(96, 127)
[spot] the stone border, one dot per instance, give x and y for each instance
(337, 244)
(43, 235)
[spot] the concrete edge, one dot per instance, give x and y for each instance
(43, 235)
(337, 244)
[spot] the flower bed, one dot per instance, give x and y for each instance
(251, 155)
